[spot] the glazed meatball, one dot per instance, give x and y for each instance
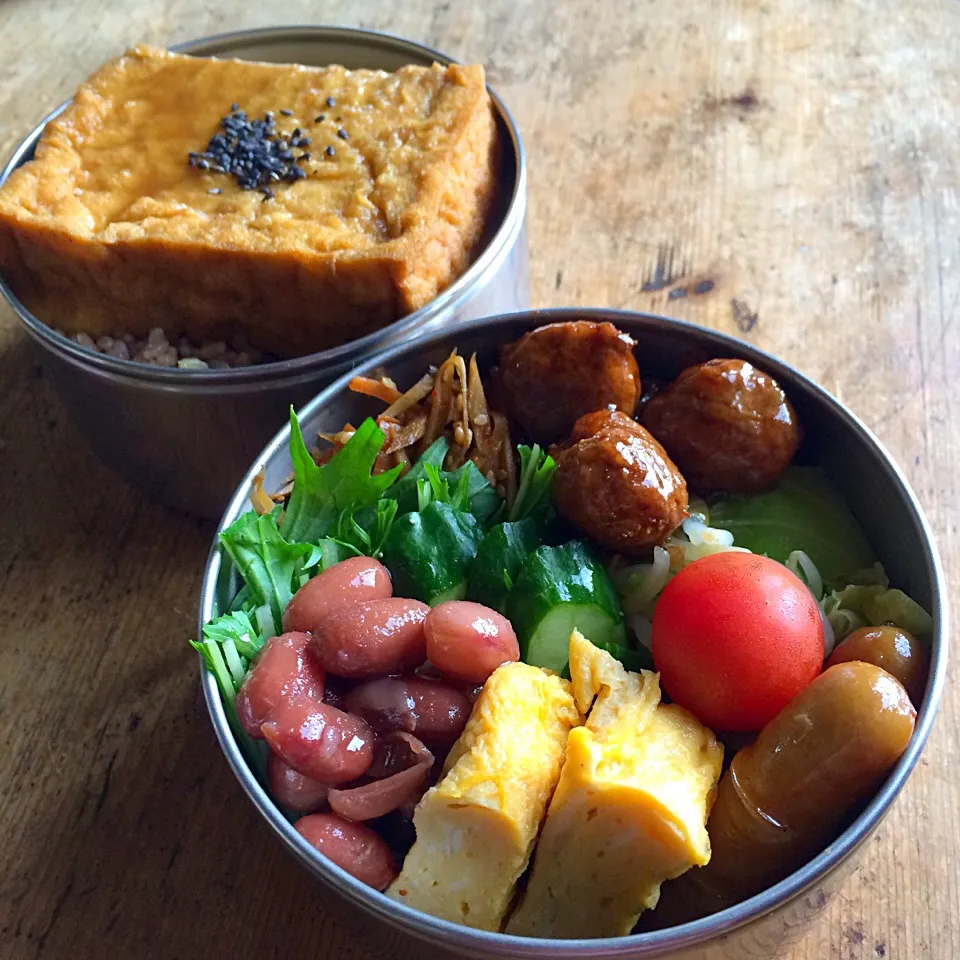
(555, 374)
(728, 426)
(617, 484)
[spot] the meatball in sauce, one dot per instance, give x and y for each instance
(557, 373)
(728, 426)
(617, 485)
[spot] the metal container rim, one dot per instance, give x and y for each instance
(648, 945)
(296, 368)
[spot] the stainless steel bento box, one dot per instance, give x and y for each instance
(187, 436)
(873, 486)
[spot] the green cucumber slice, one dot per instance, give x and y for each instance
(429, 553)
(499, 560)
(559, 589)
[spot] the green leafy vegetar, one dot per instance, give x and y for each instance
(802, 512)
(404, 491)
(428, 552)
(321, 494)
(537, 469)
(482, 500)
(269, 564)
(229, 644)
(507, 545)
(363, 532)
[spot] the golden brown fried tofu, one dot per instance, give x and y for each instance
(110, 230)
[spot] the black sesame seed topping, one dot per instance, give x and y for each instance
(320, 119)
(287, 113)
(342, 134)
(267, 194)
(304, 156)
(252, 152)
(234, 107)
(331, 102)
(330, 151)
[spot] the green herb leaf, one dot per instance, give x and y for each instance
(484, 500)
(444, 490)
(363, 533)
(537, 469)
(803, 512)
(236, 627)
(269, 565)
(224, 653)
(243, 600)
(332, 552)
(405, 490)
(321, 494)
(212, 656)
(382, 524)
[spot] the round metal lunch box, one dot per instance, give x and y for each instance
(186, 437)
(872, 485)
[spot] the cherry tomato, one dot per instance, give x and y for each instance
(736, 637)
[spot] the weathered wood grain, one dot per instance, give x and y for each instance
(784, 171)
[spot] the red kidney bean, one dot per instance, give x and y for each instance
(292, 789)
(468, 641)
(284, 669)
(396, 751)
(411, 761)
(351, 846)
(336, 690)
(320, 741)
(472, 691)
(428, 671)
(350, 581)
(428, 708)
(371, 638)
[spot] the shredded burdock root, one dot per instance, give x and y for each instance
(447, 401)
(454, 404)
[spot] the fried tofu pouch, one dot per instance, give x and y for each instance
(629, 811)
(476, 828)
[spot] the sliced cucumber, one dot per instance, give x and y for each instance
(549, 645)
(429, 553)
(499, 560)
(559, 589)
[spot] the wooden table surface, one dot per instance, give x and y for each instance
(802, 155)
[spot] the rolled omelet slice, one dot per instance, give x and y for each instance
(476, 828)
(629, 811)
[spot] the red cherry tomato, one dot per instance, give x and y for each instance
(736, 637)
